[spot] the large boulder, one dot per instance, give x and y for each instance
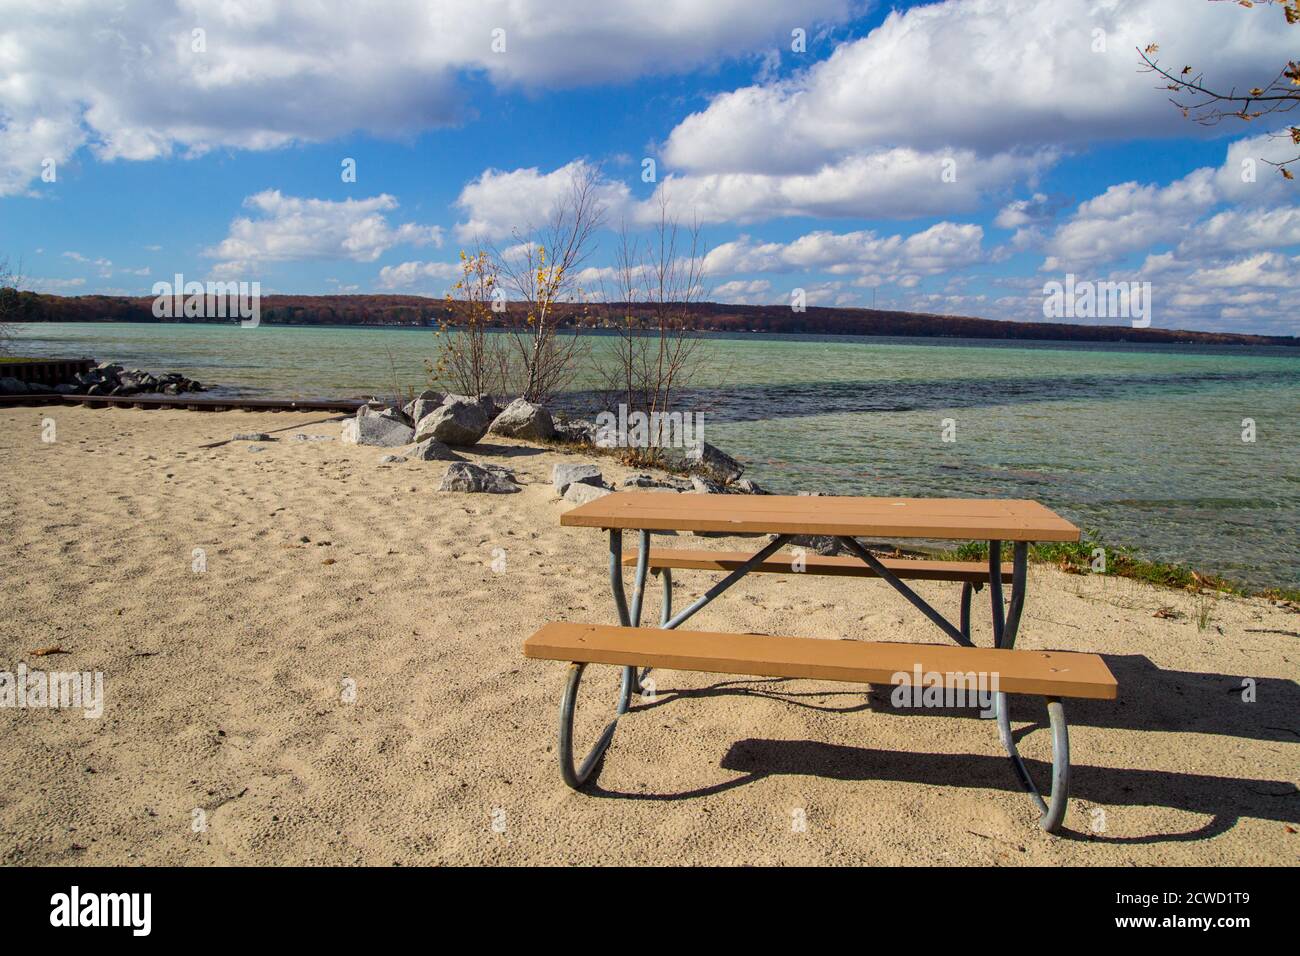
(459, 420)
(566, 473)
(397, 415)
(464, 476)
(524, 419)
(704, 459)
(432, 450)
(580, 493)
(423, 404)
(376, 430)
(577, 431)
(392, 414)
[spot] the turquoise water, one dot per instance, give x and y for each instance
(1142, 444)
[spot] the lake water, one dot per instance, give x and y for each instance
(1142, 444)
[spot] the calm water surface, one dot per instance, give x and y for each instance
(1142, 444)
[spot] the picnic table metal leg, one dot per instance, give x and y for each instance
(1005, 630)
(1019, 572)
(576, 777)
(620, 599)
(1007, 622)
(1052, 810)
(966, 590)
(642, 564)
(665, 612)
(995, 591)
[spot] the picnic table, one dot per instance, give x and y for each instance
(846, 519)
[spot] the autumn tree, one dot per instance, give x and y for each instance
(472, 359)
(541, 270)
(1204, 102)
(10, 280)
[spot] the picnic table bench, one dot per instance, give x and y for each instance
(1052, 675)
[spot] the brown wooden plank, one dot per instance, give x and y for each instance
(1049, 673)
(948, 518)
(916, 570)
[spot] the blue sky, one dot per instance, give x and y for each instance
(822, 170)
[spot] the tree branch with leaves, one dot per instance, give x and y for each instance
(1207, 104)
(472, 359)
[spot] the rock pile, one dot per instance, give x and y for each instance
(431, 426)
(108, 379)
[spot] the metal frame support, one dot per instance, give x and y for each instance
(960, 635)
(1006, 622)
(575, 777)
(966, 590)
(1052, 810)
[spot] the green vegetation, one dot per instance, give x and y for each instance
(1076, 557)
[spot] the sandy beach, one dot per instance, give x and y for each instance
(228, 689)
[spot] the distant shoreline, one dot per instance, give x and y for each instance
(402, 311)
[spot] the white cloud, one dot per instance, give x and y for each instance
(498, 202)
(1266, 269)
(126, 80)
(986, 75)
(291, 229)
(869, 259)
(55, 285)
(886, 183)
(1238, 230)
(1130, 217)
(409, 274)
(742, 292)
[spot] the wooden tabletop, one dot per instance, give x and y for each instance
(964, 519)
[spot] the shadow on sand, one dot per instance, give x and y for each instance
(1151, 701)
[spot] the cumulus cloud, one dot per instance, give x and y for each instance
(410, 274)
(1130, 217)
(743, 292)
(899, 183)
(866, 257)
(498, 202)
(985, 75)
(1238, 230)
(134, 81)
(286, 229)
